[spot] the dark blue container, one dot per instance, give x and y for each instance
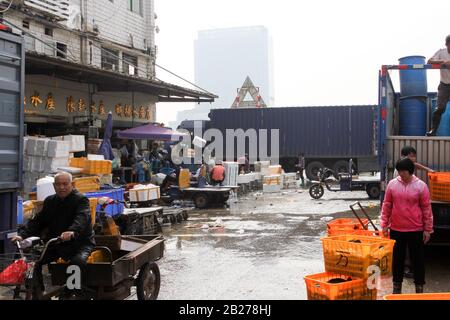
(413, 116)
(413, 82)
(444, 126)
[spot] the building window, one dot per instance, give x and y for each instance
(110, 59)
(129, 64)
(62, 50)
(49, 32)
(136, 6)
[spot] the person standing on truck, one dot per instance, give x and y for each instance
(441, 57)
(301, 167)
(407, 214)
(411, 153)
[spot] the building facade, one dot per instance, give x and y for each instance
(87, 58)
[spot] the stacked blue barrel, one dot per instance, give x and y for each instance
(414, 98)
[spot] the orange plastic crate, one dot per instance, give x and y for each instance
(77, 162)
(318, 288)
(440, 186)
(422, 296)
(93, 205)
(369, 233)
(342, 226)
(87, 184)
(354, 254)
(97, 167)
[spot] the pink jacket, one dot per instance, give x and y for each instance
(407, 207)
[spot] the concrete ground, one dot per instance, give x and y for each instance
(268, 244)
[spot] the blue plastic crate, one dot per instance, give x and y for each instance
(116, 194)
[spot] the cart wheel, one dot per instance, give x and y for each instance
(148, 282)
(185, 215)
(201, 200)
(179, 218)
(373, 190)
(316, 191)
(172, 219)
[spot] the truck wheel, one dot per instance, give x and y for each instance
(312, 169)
(185, 215)
(373, 190)
(316, 191)
(179, 218)
(201, 200)
(148, 282)
(340, 166)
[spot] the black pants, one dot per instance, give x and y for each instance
(443, 97)
(216, 182)
(414, 242)
(76, 255)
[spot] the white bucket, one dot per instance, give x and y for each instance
(45, 188)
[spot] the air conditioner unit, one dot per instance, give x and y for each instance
(56, 9)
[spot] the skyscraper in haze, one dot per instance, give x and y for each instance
(223, 60)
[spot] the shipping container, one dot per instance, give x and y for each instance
(327, 135)
(433, 152)
(12, 70)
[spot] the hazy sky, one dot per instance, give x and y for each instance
(326, 52)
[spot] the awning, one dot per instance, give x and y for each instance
(110, 80)
(150, 132)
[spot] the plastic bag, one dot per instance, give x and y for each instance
(15, 273)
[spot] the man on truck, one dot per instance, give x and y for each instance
(441, 57)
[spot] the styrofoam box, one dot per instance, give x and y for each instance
(58, 149)
(144, 194)
(77, 143)
(52, 164)
(31, 146)
(273, 188)
(25, 143)
(37, 164)
(26, 163)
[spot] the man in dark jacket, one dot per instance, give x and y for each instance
(66, 215)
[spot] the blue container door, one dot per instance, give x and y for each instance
(413, 116)
(413, 82)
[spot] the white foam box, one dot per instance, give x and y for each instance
(272, 188)
(37, 164)
(25, 143)
(26, 163)
(52, 164)
(31, 146)
(144, 194)
(106, 178)
(77, 143)
(41, 146)
(58, 149)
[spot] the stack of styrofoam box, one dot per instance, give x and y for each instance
(231, 173)
(272, 183)
(76, 143)
(289, 180)
(42, 156)
(246, 178)
(264, 167)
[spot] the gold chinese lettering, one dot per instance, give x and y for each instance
(141, 112)
(118, 109)
(70, 105)
(148, 113)
(128, 111)
(93, 107)
(81, 105)
(101, 108)
(35, 99)
(50, 102)
(135, 112)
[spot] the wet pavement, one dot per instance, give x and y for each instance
(268, 243)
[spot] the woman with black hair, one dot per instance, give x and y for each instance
(407, 214)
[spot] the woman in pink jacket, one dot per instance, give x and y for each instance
(407, 214)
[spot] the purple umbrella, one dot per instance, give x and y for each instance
(150, 132)
(106, 148)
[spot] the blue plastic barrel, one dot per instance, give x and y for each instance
(444, 126)
(413, 82)
(413, 116)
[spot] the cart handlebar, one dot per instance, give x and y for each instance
(352, 207)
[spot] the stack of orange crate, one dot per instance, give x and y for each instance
(349, 250)
(99, 167)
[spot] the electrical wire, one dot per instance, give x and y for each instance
(9, 6)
